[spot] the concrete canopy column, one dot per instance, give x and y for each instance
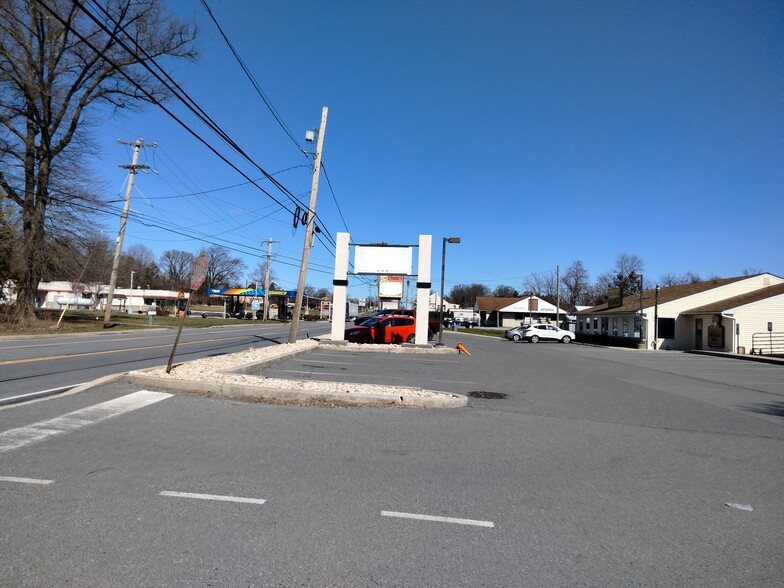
(339, 287)
(423, 288)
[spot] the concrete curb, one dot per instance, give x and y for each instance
(757, 358)
(396, 396)
(243, 392)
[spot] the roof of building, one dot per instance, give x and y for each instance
(496, 302)
(741, 300)
(502, 303)
(631, 303)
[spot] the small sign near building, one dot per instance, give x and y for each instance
(614, 297)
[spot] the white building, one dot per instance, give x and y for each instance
(93, 297)
(499, 311)
(728, 314)
(434, 306)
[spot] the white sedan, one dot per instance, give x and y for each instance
(547, 332)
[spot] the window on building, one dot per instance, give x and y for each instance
(626, 327)
(615, 326)
(666, 328)
(580, 323)
(595, 323)
(605, 323)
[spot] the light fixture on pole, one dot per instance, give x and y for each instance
(441, 298)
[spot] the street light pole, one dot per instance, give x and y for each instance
(636, 275)
(441, 298)
(656, 318)
(130, 303)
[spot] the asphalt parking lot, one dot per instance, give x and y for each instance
(546, 377)
(599, 467)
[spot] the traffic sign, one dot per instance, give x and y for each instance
(199, 271)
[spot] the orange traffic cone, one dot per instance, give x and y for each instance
(460, 347)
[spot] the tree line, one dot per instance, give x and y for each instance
(575, 286)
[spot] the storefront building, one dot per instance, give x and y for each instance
(722, 315)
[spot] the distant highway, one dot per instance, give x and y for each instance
(31, 365)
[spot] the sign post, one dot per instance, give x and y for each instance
(198, 275)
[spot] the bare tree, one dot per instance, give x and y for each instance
(544, 285)
(176, 267)
(259, 274)
(598, 292)
(465, 295)
(140, 260)
(223, 269)
(670, 279)
(8, 248)
(576, 285)
(57, 66)
(504, 291)
(627, 268)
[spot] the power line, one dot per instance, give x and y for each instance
(329, 183)
(183, 97)
(253, 81)
(176, 91)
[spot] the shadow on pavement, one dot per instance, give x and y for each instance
(772, 408)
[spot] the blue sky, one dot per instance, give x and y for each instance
(540, 133)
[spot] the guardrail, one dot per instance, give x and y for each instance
(767, 343)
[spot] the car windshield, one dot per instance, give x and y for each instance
(370, 322)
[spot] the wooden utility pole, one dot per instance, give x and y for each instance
(303, 270)
(107, 316)
(265, 316)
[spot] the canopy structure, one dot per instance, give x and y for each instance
(248, 292)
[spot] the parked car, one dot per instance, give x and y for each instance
(385, 312)
(384, 329)
(516, 333)
(433, 324)
(544, 331)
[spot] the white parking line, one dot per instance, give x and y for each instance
(25, 480)
(422, 517)
(213, 497)
(16, 438)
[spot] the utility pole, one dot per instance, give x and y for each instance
(107, 316)
(265, 316)
(303, 270)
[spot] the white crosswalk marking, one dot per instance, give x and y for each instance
(16, 438)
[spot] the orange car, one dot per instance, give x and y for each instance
(383, 329)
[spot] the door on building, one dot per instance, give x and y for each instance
(698, 333)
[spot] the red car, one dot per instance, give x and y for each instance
(383, 329)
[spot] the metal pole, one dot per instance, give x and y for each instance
(641, 327)
(441, 296)
(130, 304)
(656, 318)
(267, 279)
(558, 296)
